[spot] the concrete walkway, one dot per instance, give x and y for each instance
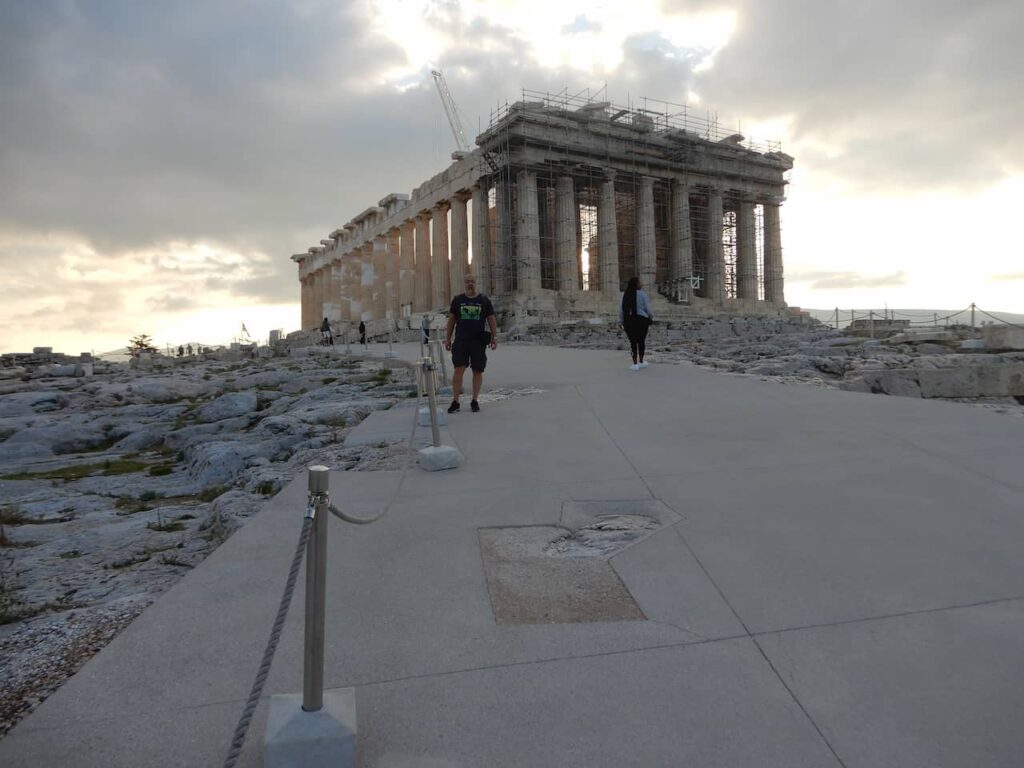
(839, 581)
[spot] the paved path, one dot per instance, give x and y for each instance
(840, 582)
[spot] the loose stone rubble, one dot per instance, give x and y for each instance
(114, 484)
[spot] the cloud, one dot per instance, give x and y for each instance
(181, 152)
(172, 303)
(1008, 277)
(913, 95)
(580, 24)
(126, 123)
(827, 280)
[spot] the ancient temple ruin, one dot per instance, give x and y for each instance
(563, 200)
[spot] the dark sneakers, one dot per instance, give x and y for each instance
(474, 406)
(453, 407)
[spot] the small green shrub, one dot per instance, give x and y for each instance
(265, 488)
(209, 494)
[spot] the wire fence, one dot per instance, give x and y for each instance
(968, 316)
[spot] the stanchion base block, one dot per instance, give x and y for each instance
(296, 738)
(390, 354)
(442, 457)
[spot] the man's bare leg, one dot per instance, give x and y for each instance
(478, 380)
(457, 383)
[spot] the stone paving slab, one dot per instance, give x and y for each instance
(838, 583)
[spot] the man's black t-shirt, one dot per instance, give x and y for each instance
(470, 316)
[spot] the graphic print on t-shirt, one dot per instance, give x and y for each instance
(469, 311)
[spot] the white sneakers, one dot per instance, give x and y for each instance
(634, 367)
(643, 365)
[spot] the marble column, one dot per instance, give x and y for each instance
(715, 285)
(566, 244)
(440, 296)
(646, 254)
(320, 291)
(481, 241)
(502, 275)
(335, 304)
(407, 267)
(460, 244)
(380, 277)
(423, 269)
(366, 281)
(746, 251)
(608, 240)
(392, 272)
(306, 303)
(527, 234)
(681, 239)
(345, 288)
(773, 281)
(355, 281)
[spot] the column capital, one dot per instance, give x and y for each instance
(463, 195)
(441, 206)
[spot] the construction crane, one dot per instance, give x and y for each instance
(461, 144)
(452, 111)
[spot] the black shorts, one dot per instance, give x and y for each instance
(472, 353)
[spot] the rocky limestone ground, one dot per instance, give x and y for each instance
(945, 364)
(112, 486)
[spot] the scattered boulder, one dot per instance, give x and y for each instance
(227, 406)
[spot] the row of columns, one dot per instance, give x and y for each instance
(408, 269)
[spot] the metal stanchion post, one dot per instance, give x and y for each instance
(316, 585)
(428, 375)
(441, 360)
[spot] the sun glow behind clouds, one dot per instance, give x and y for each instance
(177, 292)
(584, 36)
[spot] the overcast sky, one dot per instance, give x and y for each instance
(161, 161)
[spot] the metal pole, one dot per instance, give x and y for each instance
(428, 376)
(871, 323)
(316, 585)
(348, 341)
(440, 358)
(972, 315)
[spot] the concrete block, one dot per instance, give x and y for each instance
(423, 416)
(972, 344)
(974, 381)
(1003, 337)
(299, 739)
(442, 457)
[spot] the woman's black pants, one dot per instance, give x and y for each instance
(636, 331)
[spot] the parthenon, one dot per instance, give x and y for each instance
(561, 202)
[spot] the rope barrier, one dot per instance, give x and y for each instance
(1004, 322)
(238, 739)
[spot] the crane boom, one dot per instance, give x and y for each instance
(451, 111)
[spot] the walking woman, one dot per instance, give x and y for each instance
(636, 317)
